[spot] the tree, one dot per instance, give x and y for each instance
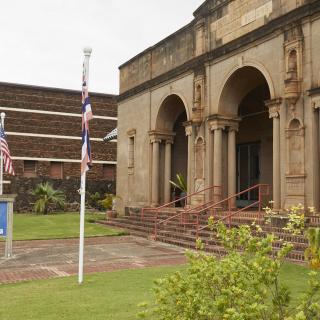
(47, 195)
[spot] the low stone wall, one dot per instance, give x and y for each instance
(23, 187)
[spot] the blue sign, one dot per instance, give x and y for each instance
(3, 219)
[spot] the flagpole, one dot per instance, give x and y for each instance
(3, 115)
(87, 53)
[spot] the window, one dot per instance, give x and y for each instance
(56, 170)
(131, 150)
(29, 169)
(131, 153)
(109, 172)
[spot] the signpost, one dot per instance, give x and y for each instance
(6, 221)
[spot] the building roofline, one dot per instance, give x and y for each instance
(54, 89)
(297, 14)
(172, 35)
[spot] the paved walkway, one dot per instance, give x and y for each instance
(42, 259)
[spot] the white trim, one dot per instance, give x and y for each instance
(39, 135)
(61, 160)
(66, 114)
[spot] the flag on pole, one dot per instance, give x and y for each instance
(7, 161)
(86, 117)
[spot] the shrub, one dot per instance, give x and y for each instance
(108, 202)
(94, 201)
(237, 286)
(46, 195)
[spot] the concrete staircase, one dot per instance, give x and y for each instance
(184, 235)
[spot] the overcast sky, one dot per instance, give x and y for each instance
(42, 40)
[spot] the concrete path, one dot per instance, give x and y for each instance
(42, 259)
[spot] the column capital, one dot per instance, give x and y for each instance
(155, 140)
(159, 136)
(169, 141)
(274, 112)
(273, 102)
(217, 126)
(316, 103)
(274, 107)
(189, 131)
(219, 122)
(234, 127)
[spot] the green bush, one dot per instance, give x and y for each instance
(242, 285)
(46, 195)
(107, 202)
(93, 200)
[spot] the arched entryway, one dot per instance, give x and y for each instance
(169, 148)
(243, 121)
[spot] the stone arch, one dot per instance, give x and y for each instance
(238, 83)
(170, 107)
(250, 149)
(295, 124)
(169, 130)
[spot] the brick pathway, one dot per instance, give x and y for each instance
(42, 259)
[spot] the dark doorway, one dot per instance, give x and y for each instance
(248, 171)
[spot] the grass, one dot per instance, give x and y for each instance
(107, 296)
(57, 226)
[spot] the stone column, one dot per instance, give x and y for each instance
(167, 171)
(217, 156)
(274, 108)
(190, 134)
(232, 164)
(155, 170)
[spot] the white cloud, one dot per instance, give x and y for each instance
(42, 40)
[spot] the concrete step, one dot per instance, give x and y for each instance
(185, 236)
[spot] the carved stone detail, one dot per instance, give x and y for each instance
(293, 47)
(189, 130)
(295, 175)
(199, 98)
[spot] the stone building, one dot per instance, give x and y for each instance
(231, 99)
(43, 127)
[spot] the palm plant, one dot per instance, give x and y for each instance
(181, 183)
(47, 195)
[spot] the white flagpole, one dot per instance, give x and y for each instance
(3, 115)
(87, 52)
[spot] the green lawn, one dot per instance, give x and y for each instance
(57, 226)
(104, 296)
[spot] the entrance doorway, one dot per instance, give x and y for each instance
(248, 171)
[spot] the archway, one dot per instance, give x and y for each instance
(243, 101)
(173, 146)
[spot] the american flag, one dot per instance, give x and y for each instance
(86, 117)
(7, 161)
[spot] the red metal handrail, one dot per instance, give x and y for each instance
(179, 199)
(204, 207)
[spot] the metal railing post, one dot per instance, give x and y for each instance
(197, 226)
(259, 203)
(156, 226)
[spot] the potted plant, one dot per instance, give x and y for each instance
(182, 186)
(109, 204)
